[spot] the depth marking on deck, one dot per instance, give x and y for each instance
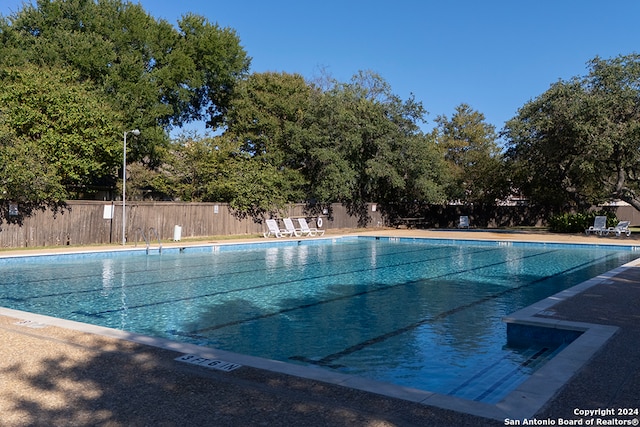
(220, 365)
(30, 324)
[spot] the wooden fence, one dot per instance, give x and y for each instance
(93, 222)
(628, 213)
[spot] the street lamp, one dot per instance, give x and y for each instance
(134, 132)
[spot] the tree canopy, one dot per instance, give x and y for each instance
(56, 136)
(474, 157)
(289, 140)
(368, 146)
(157, 75)
(578, 143)
(76, 74)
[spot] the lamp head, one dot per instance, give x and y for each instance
(135, 132)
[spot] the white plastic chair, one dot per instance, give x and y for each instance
(311, 231)
(274, 230)
(599, 226)
(621, 228)
(288, 224)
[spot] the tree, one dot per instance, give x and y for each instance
(56, 137)
(289, 141)
(156, 75)
(267, 117)
(473, 155)
(546, 151)
(27, 178)
(215, 169)
(613, 127)
(578, 144)
(365, 145)
(266, 120)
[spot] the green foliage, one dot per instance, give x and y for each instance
(26, 178)
(76, 74)
(578, 144)
(289, 141)
(158, 76)
(214, 169)
(267, 117)
(473, 156)
(57, 136)
(365, 145)
(578, 222)
(261, 188)
(73, 128)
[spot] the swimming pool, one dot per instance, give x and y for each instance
(416, 312)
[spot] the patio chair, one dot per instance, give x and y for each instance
(464, 222)
(621, 228)
(288, 224)
(274, 230)
(312, 231)
(599, 226)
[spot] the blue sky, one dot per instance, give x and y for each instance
(493, 55)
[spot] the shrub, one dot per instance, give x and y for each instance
(578, 222)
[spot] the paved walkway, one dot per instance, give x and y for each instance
(55, 376)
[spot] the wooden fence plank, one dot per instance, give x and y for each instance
(83, 223)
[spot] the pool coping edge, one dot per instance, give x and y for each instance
(533, 394)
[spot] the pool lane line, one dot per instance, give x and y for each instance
(267, 285)
(196, 334)
(329, 360)
(122, 273)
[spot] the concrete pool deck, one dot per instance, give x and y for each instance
(53, 375)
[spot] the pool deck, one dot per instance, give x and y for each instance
(54, 375)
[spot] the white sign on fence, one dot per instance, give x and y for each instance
(108, 212)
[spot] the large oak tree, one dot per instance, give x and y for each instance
(578, 144)
(157, 74)
(352, 143)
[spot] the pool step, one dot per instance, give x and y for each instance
(503, 376)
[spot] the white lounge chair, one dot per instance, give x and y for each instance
(621, 228)
(274, 230)
(599, 226)
(309, 231)
(464, 222)
(288, 224)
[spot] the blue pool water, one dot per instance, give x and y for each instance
(421, 313)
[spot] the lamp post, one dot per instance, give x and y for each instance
(134, 132)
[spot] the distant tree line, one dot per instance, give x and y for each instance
(76, 74)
